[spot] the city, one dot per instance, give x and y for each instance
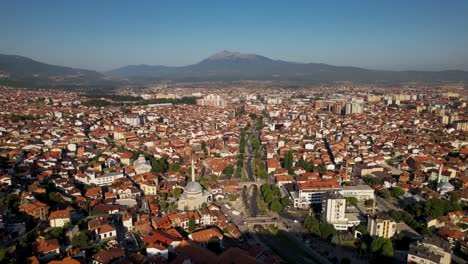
(266, 176)
(226, 132)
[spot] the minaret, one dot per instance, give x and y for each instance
(440, 173)
(193, 169)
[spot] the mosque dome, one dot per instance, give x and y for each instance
(193, 187)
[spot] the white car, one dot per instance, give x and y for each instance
(295, 221)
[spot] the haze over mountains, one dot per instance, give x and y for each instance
(27, 70)
(227, 65)
(222, 66)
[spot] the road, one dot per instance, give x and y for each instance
(385, 206)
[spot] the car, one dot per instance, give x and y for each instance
(295, 221)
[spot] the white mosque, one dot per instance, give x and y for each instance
(142, 165)
(193, 196)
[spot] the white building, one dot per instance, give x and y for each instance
(333, 208)
(311, 192)
(212, 100)
(361, 192)
(142, 165)
(334, 212)
(106, 232)
(105, 179)
(59, 218)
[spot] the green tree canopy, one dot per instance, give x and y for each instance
(176, 192)
(81, 240)
(382, 247)
(269, 198)
(275, 206)
(327, 230)
(192, 225)
(229, 170)
(285, 201)
(397, 192)
(369, 202)
(351, 201)
(288, 162)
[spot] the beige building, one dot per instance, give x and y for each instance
(59, 218)
(149, 187)
(381, 225)
(430, 251)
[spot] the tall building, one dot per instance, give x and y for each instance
(212, 100)
(334, 211)
(353, 108)
(381, 225)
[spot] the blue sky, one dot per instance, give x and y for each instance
(101, 35)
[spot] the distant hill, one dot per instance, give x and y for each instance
(27, 70)
(227, 65)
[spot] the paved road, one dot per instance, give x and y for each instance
(385, 206)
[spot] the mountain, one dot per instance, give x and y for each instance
(227, 65)
(27, 70)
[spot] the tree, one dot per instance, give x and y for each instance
(269, 198)
(203, 146)
(288, 162)
(204, 183)
(275, 190)
(159, 165)
(322, 168)
(192, 225)
(255, 143)
(397, 192)
(369, 202)
(385, 194)
(285, 201)
(176, 192)
(382, 247)
(3, 255)
(275, 206)
(351, 201)
(174, 167)
(438, 207)
(81, 240)
(204, 206)
(229, 170)
(370, 180)
(213, 177)
(54, 197)
(56, 232)
(312, 225)
(163, 205)
(327, 230)
(265, 187)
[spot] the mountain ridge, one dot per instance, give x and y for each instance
(236, 65)
(221, 66)
(22, 68)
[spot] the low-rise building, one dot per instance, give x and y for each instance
(430, 251)
(381, 225)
